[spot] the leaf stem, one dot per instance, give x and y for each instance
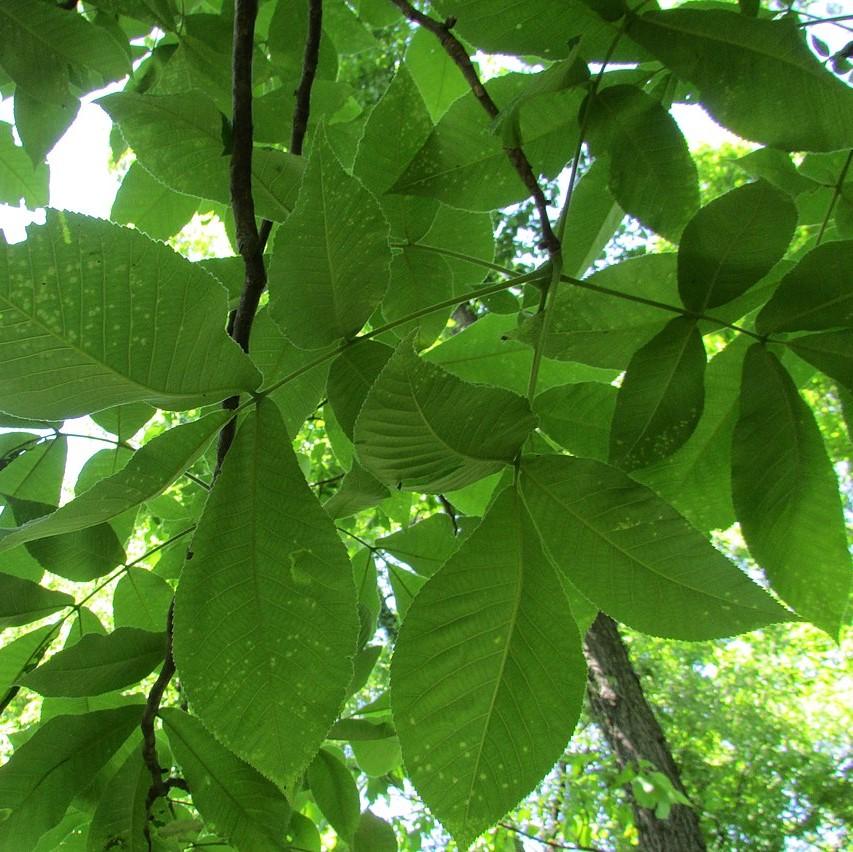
(550, 295)
(457, 52)
(835, 195)
(488, 290)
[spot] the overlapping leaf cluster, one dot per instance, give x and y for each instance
(572, 493)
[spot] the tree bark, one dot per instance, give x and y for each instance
(620, 709)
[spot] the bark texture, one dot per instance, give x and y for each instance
(620, 709)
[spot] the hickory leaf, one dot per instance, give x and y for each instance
(487, 676)
(425, 430)
(102, 343)
(266, 672)
(635, 557)
(330, 266)
(789, 512)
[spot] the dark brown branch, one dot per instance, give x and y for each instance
(159, 787)
(309, 72)
(456, 51)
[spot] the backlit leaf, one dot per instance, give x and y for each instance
(652, 175)
(814, 295)
(661, 397)
(266, 672)
(330, 266)
(335, 792)
(786, 496)
(195, 162)
(426, 430)
(831, 352)
(732, 243)
(487, 676)
(102, 345)
(801, 107)
(152, 469)
(57, 763)
(98, 664)
(22, 601)
(246, 808)
(635, 557)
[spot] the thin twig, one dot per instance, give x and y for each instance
(456, 51)
(553, 844)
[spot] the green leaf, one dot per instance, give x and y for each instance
(425, 545)
(119, 819)
(661, 397)
(405, 585)
(98, 664)
(802, 106)
(484, 353)
(41, 125)
(44, 48)
(464, 164)
(102, 346)
(388, 143)
(56, 764)
(540, 27)
(358, 490)
(776, 167)
(195, 162)
(425, 430)
(635, 557)
(374, 835)
(276, 357)
(696, 479)
(151, 206)
(465, 232)
(266, 672)
(245, 808)
(377, 757)
(17, 656)
(831, 352)
(605, 330)
(330, 265)
(435, 73)
(652, 175)
(80, 556)
(152, 469)
(22, 601)
(19, 179)
(37, 473)
(335, 792)
(124, 421)
(556, 78)
(732, 243)
(351, 376)
(488, 676)
(578, 417)
(141, 599)
(361, 729)
(814, 295)
(418, 279)
(593, 218)
(786, 494)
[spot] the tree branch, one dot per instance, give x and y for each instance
(309, 72)
(456, 51)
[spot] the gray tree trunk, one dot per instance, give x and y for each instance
(620, 709)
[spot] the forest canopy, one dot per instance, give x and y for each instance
(504, 415)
